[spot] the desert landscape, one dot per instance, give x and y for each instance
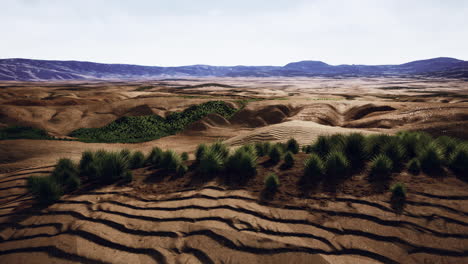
(195, 212)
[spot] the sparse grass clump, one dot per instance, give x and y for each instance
(381, 168)
(354, 148)
(292, 146)
(66, 174)
(210, 163)
(288, 160)
(200, 151)
(398, 197)
(86, 165)
(375, 144)
(275, 154)
(154, 157)
(394, 150)
(322, 146)
(432, 160)
(336, 166)
(110, 166)
(314, 169)
(272, 184)
(137, 160)
(414, 166)
(45, 189)
(184, 156)
(241, 165)
(458, 161)
(170, 161)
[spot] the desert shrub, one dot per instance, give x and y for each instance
(447, 145)
(181, 170)
(170, 161)
(375, 143)
(17, 132)
(137, 160)
(126, 154)
(220, 148)
(458, 161)
(154, 157)
(432, 160)
(381, 168)
(86, 165)
(288, 160)
(337, 142)
(267, 146)
(314, 169)
(413, 142)
(64, 170)
(272, 184)
(72, 183)
(131, 129)
(322, 146)
(260, 149)
(292, 146)
(398, 197)
(200, 151)
(210, 163)
(414, 166)
(184, 156)
(44, 189)
(275, 154)
(394, 150)
(128, 176)
(241, 165)
(251, 149)
(110, 166)
(355, 149)
(336, 165)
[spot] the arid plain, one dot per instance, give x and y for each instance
(161, 219)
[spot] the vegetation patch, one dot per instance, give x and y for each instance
(22, 132)
(131, 129)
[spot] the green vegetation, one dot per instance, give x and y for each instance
(314, 169)
(154, 157)
(144, 128)
(170, 161)
(66, 174)
(381, 168)
(458, 161)
(336, 166)
(288, 160)
(292, 145)
(210, 163)
(275, 154)
(432, 160)
(242, 164)
(184, 156)
(22, 132)
(272, 184)
(355, 149)
(398, 197)
(414, 166)
(44, 189)
(137, 160)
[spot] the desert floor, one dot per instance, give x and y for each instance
(156, 219)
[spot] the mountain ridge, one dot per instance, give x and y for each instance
(20, 69)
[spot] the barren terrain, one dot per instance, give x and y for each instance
(158, 219)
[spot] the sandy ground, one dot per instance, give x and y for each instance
(167, 221)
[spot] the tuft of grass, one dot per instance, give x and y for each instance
(314, 169)
(398, 197)
(432, 160)
(66, 174)
(292, 146)
(354, 148)
(447, 145)
(288, 160)
(86, 165)
(413, 142)
(220, 148)
(375, 143)
(137, 160)
(154, 157)
(322, 146)
(210, 163)
(110, 166)
(414, 166)
(170, 161)
(272, 184)
(184, 156)
(458, 161)
(200, 151)
(181, 170)
(336, 165)
(45, 189)
(241, 165)
(395, 151)
(381, 168)
(275, 154)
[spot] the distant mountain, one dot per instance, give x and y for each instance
(41, 70)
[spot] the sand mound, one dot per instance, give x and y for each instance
(141, 110)
(209, 121)
(270, 114)
(366, 110)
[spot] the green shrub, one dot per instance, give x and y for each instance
(458, 161)
(128, 176)
(314, 169)
(336, 165)
(260, 149)
(210, 163)
(86, 166)
(275, 154)
(414, 166)
(137, 160)
(184, 156)
(447, 145)
(126, 154)
(413, 142)
(375, 143)
(272, 184)
(288, 160)
(292, 146)
(251, 149)
(181, 170)
(381, 168)
(322, 146)
(398, 197)
(200, 151)
(64, 170)
(355, 149)
(394, 150)
(432, 160)
(44, 189)
(110, 166)
(337, 142)
(220, 148)
(241, 165)
(155, 156)
(170, 161)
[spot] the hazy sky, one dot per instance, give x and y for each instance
(234, 32)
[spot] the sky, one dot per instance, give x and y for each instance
(234, 32)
